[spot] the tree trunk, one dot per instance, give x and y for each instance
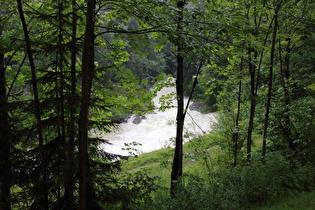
(270, 78)
(87, 75)
(4, 139)
(178, 153)
(43, 198)
(235, 137)
(254, 72)
(60, 59)
(285, 76)
(69, 185)
(237, 129)
(252, 106)
(63, 144)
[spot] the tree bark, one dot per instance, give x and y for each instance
(87, 75)
(5, 168)
(254, 73)
(285, 76)
(178, 153)
(43, 198)
(237, 129)
(60, 66)
(270, 79)
(69, 185)
(253, 96)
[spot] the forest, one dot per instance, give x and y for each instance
(68, 67)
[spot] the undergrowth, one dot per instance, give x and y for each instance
(210, 182)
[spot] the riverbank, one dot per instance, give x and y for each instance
(209, 181)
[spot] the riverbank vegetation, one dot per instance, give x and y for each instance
(211, 182)
(68, 67)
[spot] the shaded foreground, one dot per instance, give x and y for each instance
(210, 182)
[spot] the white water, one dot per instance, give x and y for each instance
(157, 129)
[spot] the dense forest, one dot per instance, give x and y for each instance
(71, 66)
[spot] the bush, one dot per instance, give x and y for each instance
(259, 182)
(266, 180)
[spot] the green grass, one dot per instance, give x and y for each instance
(201, 156)
(141, 160)
(156, 163)
(305, 201)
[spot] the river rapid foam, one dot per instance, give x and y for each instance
(156, 130)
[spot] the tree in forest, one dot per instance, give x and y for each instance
(288, 124)
(5, 167)
(56, 87)
(42, 199)
(86, 198)
(44, 93)
(270, 76)
(264, 46)
(57, 93)
(176, 174)
(70, 146)
(190, 48)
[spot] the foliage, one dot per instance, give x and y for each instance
(56, 32)
(135, 41)
(263, 181)
(302, 200)
(137, 190)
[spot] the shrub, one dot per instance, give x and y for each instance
(259, 182)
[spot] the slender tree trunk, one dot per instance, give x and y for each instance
(252, 95)
(63, 144)
(4, 138)
(69, 185)
(177, 167)
(237, 129)
(270, 79)
(254, 72)
(43, 200)
(61, 78)
(252, 106)
(285, 76)
(193, 88)
(235, 137)
(87, 75)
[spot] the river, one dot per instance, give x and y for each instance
(157, 130)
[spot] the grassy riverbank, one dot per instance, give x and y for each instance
(209, 181)
(298, 201)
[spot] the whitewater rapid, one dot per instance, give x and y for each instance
(157, 130)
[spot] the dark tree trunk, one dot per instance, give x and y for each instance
(61, 79)
(4, 139)
(236, 131)
(235, 137)
(43, 197)
(87, 76)
(251, 70)
(178, 153)
(285, 76)
(63, 144)
(253, 97)
(270, 79)
(69, 185)
(254, 72)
